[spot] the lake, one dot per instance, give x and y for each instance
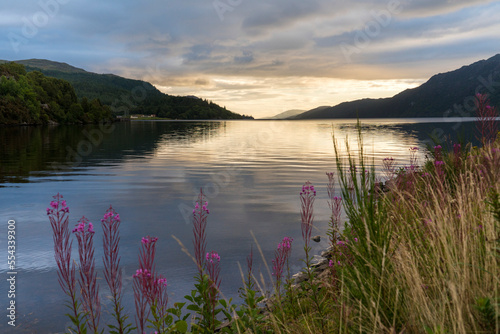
(151, 172)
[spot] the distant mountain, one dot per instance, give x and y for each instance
(128, 96)
(47, 65)
(108, 88)
(286, 114)
(448, 94)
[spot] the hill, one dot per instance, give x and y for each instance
(50, 66)
(448, 94)
(286, 114)
(33, 98)
(108, 88)
(128, 96)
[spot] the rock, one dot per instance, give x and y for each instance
(323, 266)
(316, 238)
(318, 261)
(327, 253)
(299, 278)
(324, 274)
(388, 185)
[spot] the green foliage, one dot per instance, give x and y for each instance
(79, 319)
(128, 96)
(312, 291)
(122, 327)
(249, 315)
(179, 325)
(12, 70)
(167, 323)
(200, 303)
(178, 107)
(33, 98)
(494, 203)
(368, 222)
(488, 316)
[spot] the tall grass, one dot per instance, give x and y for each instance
(426, 258)
(366, 279)
(444, 260)
(422, 258)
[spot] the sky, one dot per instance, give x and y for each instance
(258, 57)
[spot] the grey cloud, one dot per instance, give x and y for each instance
(198, 52)
(201, 82)
(397, 28)
(245, 58)
(437, 7)
(237, 86)
(283, 14)
(281, 38)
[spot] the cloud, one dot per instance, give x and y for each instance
(245, 58)
(279, 14)
(198, 53)
(269, 48)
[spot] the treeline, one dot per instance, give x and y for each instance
(33, 98)
(129, 96)
(110, 89)
(183, 107)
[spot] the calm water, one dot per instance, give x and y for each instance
(151, 172)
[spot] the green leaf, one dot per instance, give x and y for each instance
(179, 305)
(73, 320)
(181, 326)
(194, 308)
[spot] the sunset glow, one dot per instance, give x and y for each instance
(258, 58)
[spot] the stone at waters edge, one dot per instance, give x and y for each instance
(320, 268)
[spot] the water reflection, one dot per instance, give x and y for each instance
(151, 172)
(28, 152)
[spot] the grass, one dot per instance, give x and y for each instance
(420, 258)
(426, 254)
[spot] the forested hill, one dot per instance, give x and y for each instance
(33, 98)
(128, 96)
(448, 94)
(108, 88)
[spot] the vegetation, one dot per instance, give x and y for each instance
(33, 98)
(127, 96)
(418, 254)
(181, 107)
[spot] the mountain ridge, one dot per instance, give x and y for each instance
(286, 114)
(50, 65)
(443, 95)
(127, 96)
